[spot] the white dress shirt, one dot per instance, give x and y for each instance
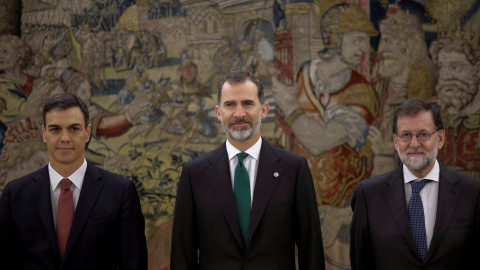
(429, 195)
(250, 162)
(55, 189)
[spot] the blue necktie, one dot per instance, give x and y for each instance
(416, 218)
(241, 189)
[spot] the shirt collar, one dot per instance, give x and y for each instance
(253, 151)
(76, 177)
(433, 175)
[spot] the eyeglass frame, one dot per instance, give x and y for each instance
(416, 135)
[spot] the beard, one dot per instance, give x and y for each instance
(418, 163)
(353, 60)
(242, 134)
(456, 94)
(392, 65)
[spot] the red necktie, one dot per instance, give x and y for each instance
(64, 215)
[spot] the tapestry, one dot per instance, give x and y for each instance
(333, 71)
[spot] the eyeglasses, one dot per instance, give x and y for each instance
(421, 136)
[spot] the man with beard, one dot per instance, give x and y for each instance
(402, 70)
(421, 215)
(247, 203)
(457, 90)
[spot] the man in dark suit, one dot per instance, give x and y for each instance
(70, 214)
(246, 204)
(421, 215)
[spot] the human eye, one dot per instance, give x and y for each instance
(248, 102)
(405, 136)
(423, 135)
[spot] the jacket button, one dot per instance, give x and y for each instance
(245, 262)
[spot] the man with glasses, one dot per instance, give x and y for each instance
(420, 215)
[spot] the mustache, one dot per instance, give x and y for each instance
(416, 150)
(455, 82)
(243, 120)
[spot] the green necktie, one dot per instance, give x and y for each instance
(242, 196)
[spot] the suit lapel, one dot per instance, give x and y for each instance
(44, 206)
(394, 193)
(448, 194)
(91, 188)
(218, 175)
(265, 183)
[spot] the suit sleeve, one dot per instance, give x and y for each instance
(184, 250)
(133, 246)
(477, 227)
(6, 256)
(308, 233)
(361, 253)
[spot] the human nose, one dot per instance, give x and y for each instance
(414, 141)
(239, 112)
(65, 137)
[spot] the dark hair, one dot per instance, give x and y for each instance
(240, 76)
(63, 101)
(414, 106)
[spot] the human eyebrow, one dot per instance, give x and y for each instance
(53, 126)
(425, 132)
(228, 102)
(76, 125)
(248, 101)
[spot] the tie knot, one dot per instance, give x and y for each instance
(241, 156)
(65, 183)
(418, 185)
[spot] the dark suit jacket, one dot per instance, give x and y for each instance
(206, 233)
(107, 230)
(380, 232)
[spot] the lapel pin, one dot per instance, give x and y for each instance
(275, 174)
